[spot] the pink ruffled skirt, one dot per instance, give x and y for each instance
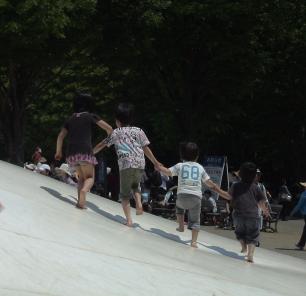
(79, 159)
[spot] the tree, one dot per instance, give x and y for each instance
(38, 39)
(218, 72)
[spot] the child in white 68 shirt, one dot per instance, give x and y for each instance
(191, 176)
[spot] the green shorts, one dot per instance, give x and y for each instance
(130, 182)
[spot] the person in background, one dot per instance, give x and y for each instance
(301, 208)
(233, 176)
(212, 202)
(284, 198)
(63, 173)
(163, 187)
(246, 197)
(43, 169)
(37, 155)
(266, 194)
(79, 155)
(145, 188)
(262, 187)
(29, 166)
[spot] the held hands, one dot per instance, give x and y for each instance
(158, 166)
(99, 147)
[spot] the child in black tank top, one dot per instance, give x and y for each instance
(79, 154)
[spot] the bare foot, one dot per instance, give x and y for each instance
(81, 207)
(129, 224)
(139, 211)
(244, 249)
(250, 259)
(194, 245)
(180, 229)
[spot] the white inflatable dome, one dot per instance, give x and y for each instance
(48, 247)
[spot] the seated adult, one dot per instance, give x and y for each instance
(64, 174)
(43, 169)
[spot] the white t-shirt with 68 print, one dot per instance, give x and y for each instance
(191, 176)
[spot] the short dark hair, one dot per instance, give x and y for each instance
(189, 151)
(82, 102)
(247, 172)
(125, 113)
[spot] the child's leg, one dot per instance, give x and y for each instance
(85, 183)
(250, 255)
(139, 209)
(194, 204)
(135, 177)
(125, 191)
(194, 238)
(240, 231)
(89, 177)
(252, 236)
(180, 220)
(127, 211)
(180, 213)
(80, 185)
(243, 246)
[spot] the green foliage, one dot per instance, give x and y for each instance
(229, 75)
(37, 40)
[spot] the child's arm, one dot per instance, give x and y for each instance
(164, 170)
(213, 186)
(148, 153)
(59, 144)
(104, 125)
(99, 147)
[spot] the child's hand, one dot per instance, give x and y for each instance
(158, 166)
(99, 147)
(58, 156)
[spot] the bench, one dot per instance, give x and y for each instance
(218, 218)
(273, 218)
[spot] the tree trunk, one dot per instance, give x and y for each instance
(13, 131)
(12, 116)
